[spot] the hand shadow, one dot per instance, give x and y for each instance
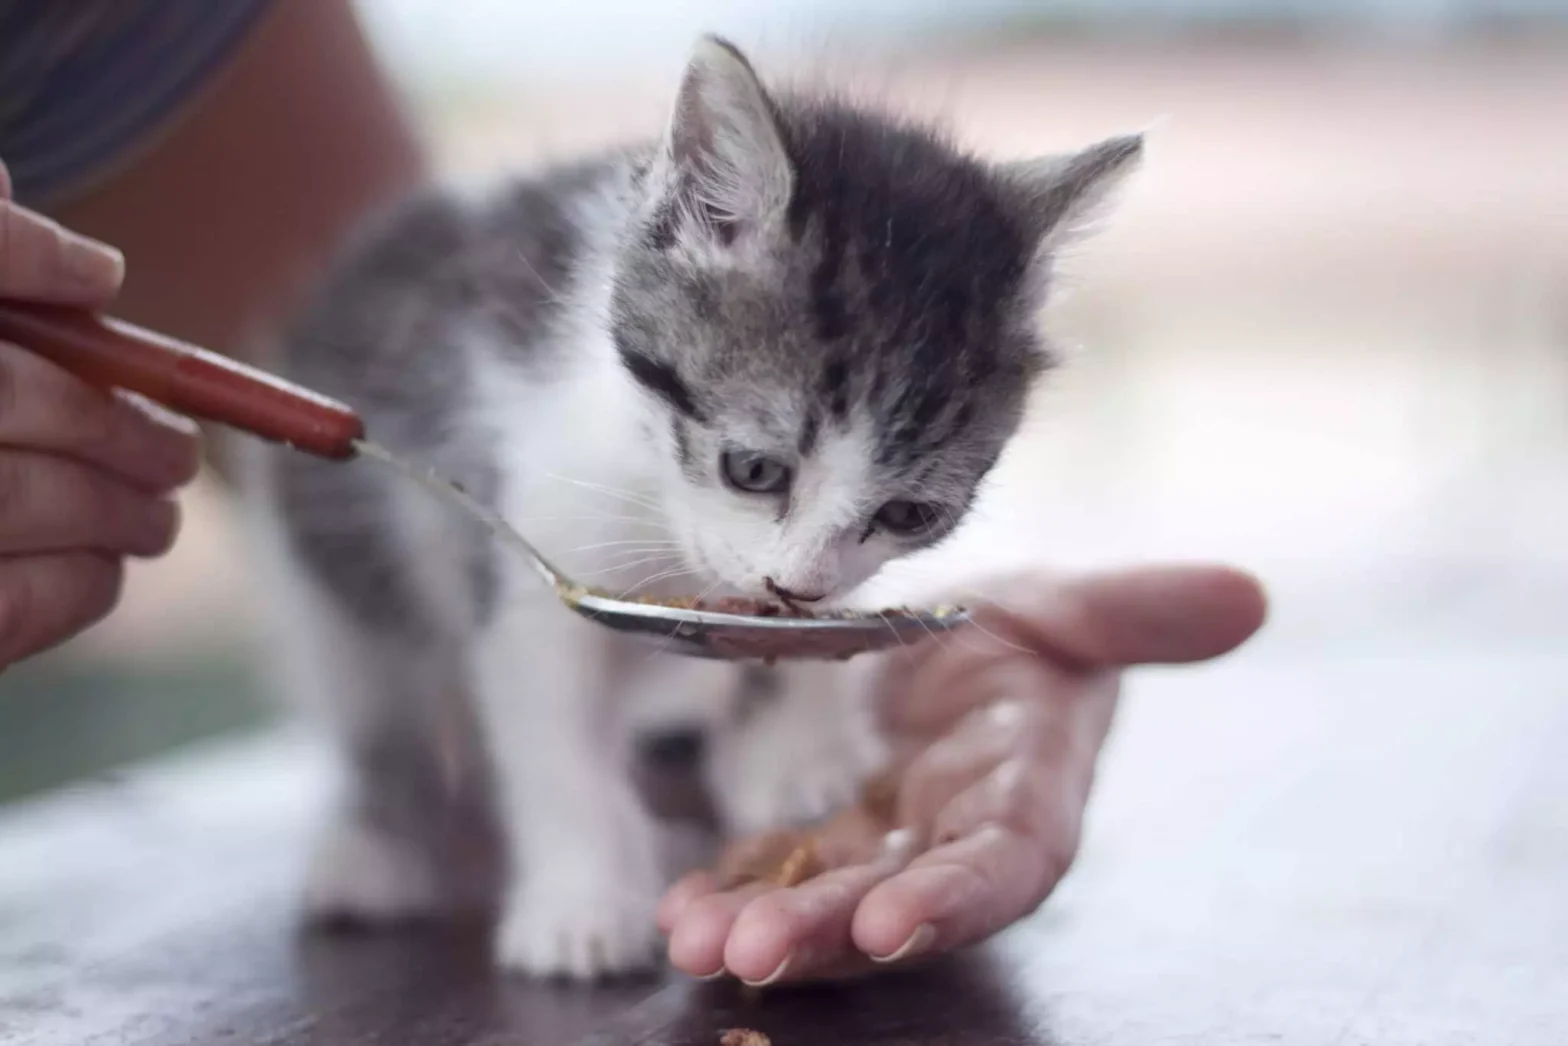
(968, 998)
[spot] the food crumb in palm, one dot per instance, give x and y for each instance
(801, 864)
(744, 1037)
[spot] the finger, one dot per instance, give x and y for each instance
(5, 182)
(923, 705)
(998, 734)
(44, 408)
(955, 895)
(1038, 799)
(1145, 615)
(45, 600)
(1014, 829)
(680, 896)
(802, 932)
(697, 940)
(49, 504)
(42, 261)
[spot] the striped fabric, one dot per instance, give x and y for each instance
(84, 82)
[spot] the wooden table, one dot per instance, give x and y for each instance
(1292, 847)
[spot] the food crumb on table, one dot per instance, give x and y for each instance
(744, 1037)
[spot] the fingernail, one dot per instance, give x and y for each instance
(773, 977)
(899, 845)
(158, 527)
(184, 464)
(158, 413)
(91, 265)
(718, 974)
(918, 942)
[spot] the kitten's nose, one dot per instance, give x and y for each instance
(792, 596)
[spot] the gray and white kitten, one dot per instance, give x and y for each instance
(781, 346)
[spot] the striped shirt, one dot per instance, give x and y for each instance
(85, 83)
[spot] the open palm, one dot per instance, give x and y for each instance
(996, 740)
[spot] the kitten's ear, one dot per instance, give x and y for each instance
(723, 164)
(1063, 195)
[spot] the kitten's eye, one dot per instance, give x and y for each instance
(754, 473)
(906, 517)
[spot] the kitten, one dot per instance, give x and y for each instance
(778, 348)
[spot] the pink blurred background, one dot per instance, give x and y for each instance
(1326, 336)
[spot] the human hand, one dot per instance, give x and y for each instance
(996, 734)
(85, 476)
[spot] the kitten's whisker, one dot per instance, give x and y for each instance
(973, 599)
(664, 646)
(897, 637)
(936, 639)
(626, 560)
(630, 496)
(664, 557)
(674, 572)
(555, 296)
(642, 521)
(952, 521)
(663, 576)
(1009, 644)
(644, 544)
(613, 568)
(669, 550)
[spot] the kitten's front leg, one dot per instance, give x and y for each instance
(585, 875)
(798, 744)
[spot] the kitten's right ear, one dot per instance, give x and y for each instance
(1062, 195)
(723, 168)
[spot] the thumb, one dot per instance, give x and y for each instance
(1154, 614)
(41, 261)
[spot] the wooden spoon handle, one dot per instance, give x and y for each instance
(112, 354)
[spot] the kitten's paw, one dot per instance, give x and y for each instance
(361, 875)
(584, 905)
(789, 767)
(587, 929)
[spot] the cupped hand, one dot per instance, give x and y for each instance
(996, 735)
(85, 476)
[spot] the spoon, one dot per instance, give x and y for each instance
(110, 353)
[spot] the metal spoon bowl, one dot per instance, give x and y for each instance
(728, 636)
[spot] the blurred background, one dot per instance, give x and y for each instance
(1325, 337)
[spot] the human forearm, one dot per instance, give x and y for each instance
(240, 201)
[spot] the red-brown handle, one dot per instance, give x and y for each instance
(200, 384)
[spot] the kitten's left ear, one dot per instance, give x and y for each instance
(723, 165)
(1063, 195)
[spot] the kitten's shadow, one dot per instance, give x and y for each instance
(426, 984)
(362, 983)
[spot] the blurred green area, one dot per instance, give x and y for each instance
(63, 719)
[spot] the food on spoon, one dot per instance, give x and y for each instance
(739, 605)
(743, 606)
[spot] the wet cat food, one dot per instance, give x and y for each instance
(744, 1037)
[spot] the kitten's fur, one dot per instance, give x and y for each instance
(846, 295)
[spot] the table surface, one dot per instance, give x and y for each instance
(1289, 847)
